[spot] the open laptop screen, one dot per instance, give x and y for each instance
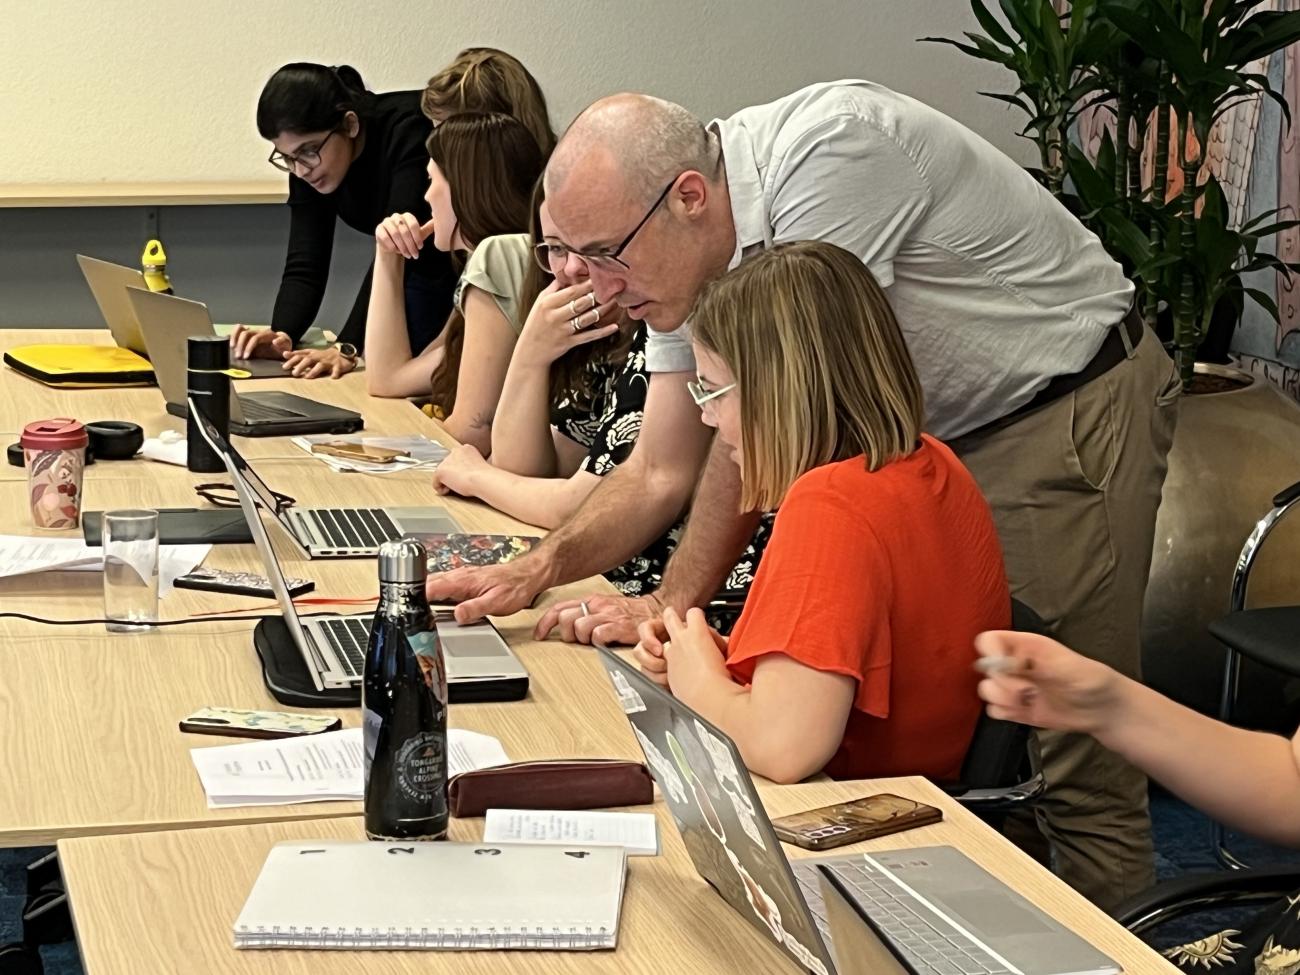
(243, 479)
(271, 501)
(716, 809)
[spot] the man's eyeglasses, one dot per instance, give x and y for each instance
(224, 496)
(308, 158)
(553, 256)
(704, 396)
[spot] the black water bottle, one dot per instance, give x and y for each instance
(404, 705)
(208, 386)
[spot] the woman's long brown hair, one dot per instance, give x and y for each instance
(491, 163)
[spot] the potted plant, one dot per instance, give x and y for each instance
(1164, 72)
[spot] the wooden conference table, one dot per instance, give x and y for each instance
(90, 743)
(91, 749)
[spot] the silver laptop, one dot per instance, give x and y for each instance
(329, 533)
(167, 322)
(936, 909)
(109, 284)
(334, 647)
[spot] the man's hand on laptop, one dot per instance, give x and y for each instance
(487, 590)
(606, 620)
(258, 343)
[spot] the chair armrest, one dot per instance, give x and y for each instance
(1283, 501)
(1286, 495)
(999, 800)
(1172, 898)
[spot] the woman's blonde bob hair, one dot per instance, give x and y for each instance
(820, 365)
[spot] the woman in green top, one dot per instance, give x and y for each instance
(482, 168)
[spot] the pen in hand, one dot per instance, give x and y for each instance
(1000, 665)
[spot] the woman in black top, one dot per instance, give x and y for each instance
(354, 156)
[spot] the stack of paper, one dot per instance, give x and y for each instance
(313, 768)
(424, 454)
(20, 555)
(637, 833)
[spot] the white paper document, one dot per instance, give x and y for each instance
(313, 768)
(424, 454)
(638, 833)
(21, 555)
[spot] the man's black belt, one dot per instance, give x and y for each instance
(1116, 347)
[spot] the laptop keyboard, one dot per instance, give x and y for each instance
(353, 527)
(348, 638)
(255, 410)
(930, 943)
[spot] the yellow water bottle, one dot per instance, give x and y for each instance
(154, 264)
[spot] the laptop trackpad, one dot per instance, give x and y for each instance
(989, 914)
(423, 521)
(471, 642)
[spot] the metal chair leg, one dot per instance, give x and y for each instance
(1227, 707)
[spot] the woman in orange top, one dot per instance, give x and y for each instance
(854, 653)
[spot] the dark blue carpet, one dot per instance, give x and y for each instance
(1182, 838)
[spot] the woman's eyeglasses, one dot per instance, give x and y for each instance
(308, 158)
(703, 395)
(224, 496)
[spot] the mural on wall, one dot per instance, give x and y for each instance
(1256, 159)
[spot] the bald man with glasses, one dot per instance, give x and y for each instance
(1035, 368)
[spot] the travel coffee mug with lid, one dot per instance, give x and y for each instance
(54, 452)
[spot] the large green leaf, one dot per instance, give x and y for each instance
(1148, 24)
(990, 23)
(1263, 34)
(1265, 301)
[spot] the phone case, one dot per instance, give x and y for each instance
(238, 583)
(358, 451)
(852, 822)
(455, 550)
(237, 723)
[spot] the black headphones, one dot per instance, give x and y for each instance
(109, 440)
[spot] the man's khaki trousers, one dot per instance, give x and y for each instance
(1074, 487)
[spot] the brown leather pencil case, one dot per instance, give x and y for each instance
(595, 783)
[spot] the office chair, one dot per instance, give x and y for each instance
(1268, 636)
(1197, 891)
(1001, 771)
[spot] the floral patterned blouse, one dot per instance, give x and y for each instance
(608, 429)
(1269, 945)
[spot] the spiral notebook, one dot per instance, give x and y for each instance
(461, 896)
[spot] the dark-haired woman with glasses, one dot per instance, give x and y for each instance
(352, 156)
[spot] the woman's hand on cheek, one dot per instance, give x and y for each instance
(562, 319)
(402, 234)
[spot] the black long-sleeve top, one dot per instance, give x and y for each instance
(389, 176)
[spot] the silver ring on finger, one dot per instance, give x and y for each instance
(583, 605)
(573, 309)
(573, 324)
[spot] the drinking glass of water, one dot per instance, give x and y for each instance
(130, 570)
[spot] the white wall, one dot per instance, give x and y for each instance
(113, 91)
(128, 91)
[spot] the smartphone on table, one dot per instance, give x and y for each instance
(238, 583)
(242, 723)
(852, 822)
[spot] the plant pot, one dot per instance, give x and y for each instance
(1233, 450)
